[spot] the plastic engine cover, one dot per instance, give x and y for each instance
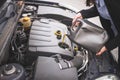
(48, 69)
(44, 41)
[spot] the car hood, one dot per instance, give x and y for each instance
(60, 4)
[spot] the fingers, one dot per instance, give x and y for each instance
(99, 53)
(74, 22)
(20, 3)
(77, 23)
(103, 49)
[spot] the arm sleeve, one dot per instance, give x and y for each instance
(111, 44)
(88, 13)
(19, 0)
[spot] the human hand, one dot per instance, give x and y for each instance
(75, 22)
(20, 3)
(102, 50)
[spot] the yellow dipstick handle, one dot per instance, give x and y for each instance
(63, 38)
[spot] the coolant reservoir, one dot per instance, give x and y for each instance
(26, 22)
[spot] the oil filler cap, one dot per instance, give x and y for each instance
(58, 34)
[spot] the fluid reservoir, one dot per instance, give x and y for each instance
(26, 22)
(12, 72)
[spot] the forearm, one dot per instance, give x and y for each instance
(89, 13)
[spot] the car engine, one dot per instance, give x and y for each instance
(40, 48)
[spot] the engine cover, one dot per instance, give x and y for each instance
(48, 68)
(48, 37)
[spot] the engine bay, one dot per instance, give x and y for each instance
(40, 48)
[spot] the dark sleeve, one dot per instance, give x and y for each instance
(19, 0)
(111, 44)
(88, 13)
